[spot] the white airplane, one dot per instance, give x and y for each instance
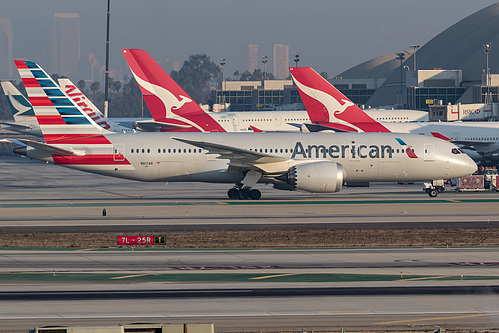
(25, 120)
(328, 108)
(124, 125)
(24, 117)
(312, 162)
(174, 110)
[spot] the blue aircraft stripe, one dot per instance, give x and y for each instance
(401, 141)
(53, 92)
(38, 74)
(61, 102)
(76, 120)
(69, 112)
(46, 84)
(31, 64)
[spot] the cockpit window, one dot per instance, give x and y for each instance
(456, 151)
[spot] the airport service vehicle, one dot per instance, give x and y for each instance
(312, 162)
(329, 109)
(174, 110)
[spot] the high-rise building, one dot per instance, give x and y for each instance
(253, 57)
(6, 49)
(65, 44)
(281, 61)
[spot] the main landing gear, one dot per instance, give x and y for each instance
(244, 193)
(244, 190)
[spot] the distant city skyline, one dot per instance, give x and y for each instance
(281, 61)
(329, 36)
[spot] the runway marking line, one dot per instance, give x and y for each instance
(128, 276)
(427, 278)
(273, 276)
(436, 318)
(83, 250)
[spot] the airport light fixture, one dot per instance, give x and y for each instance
(222, 98)
(415, 48)
(297, 58)
(401, 57)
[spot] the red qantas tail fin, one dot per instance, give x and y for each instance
(326, 104)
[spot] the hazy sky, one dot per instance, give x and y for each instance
(329, 35)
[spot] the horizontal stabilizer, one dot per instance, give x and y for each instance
(52, 149)
(17, 126)
(158, 126)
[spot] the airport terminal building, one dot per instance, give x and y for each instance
(449, 69)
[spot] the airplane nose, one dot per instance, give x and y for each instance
(472, 166)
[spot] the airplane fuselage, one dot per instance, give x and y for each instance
(364, 157)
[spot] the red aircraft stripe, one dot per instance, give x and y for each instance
(87, 139)
(40, 101)
(100, 159)
(30, 82)
(50, 120)
(20, 64)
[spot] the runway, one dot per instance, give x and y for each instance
(39, 197)
(248, 290)
(240, 290)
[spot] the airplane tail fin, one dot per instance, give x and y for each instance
(83, 102)
(19, 105)
(61, 120)
(164, 97)
(327, 105)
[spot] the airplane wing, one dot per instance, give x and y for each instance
(52, 149)
(242, 157)
(157, 126)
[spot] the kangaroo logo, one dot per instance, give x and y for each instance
(332, 105)
(170, 101)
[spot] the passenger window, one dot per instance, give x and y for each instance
(132, 150)
(148, 150)
(159, 150)
(143, 150)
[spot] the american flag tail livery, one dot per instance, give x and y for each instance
(327, 106)
(166, 100)
(71, 136)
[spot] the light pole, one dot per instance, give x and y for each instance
(264, 61)
(297, 58)
(401, 57)
(222, 97)
(487, 48)
(415, 48)
(106, 83)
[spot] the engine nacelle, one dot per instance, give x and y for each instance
(315, 177)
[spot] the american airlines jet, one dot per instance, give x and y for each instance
(328, 108)
(174, 110)
(312, 162)
(25, 120)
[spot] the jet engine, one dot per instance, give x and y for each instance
(315, 177)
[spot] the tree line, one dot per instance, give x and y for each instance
(197, 76)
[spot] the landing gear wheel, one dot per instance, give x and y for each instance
(255, 194)
(244, 194)
(432, 192)
(233, 193)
